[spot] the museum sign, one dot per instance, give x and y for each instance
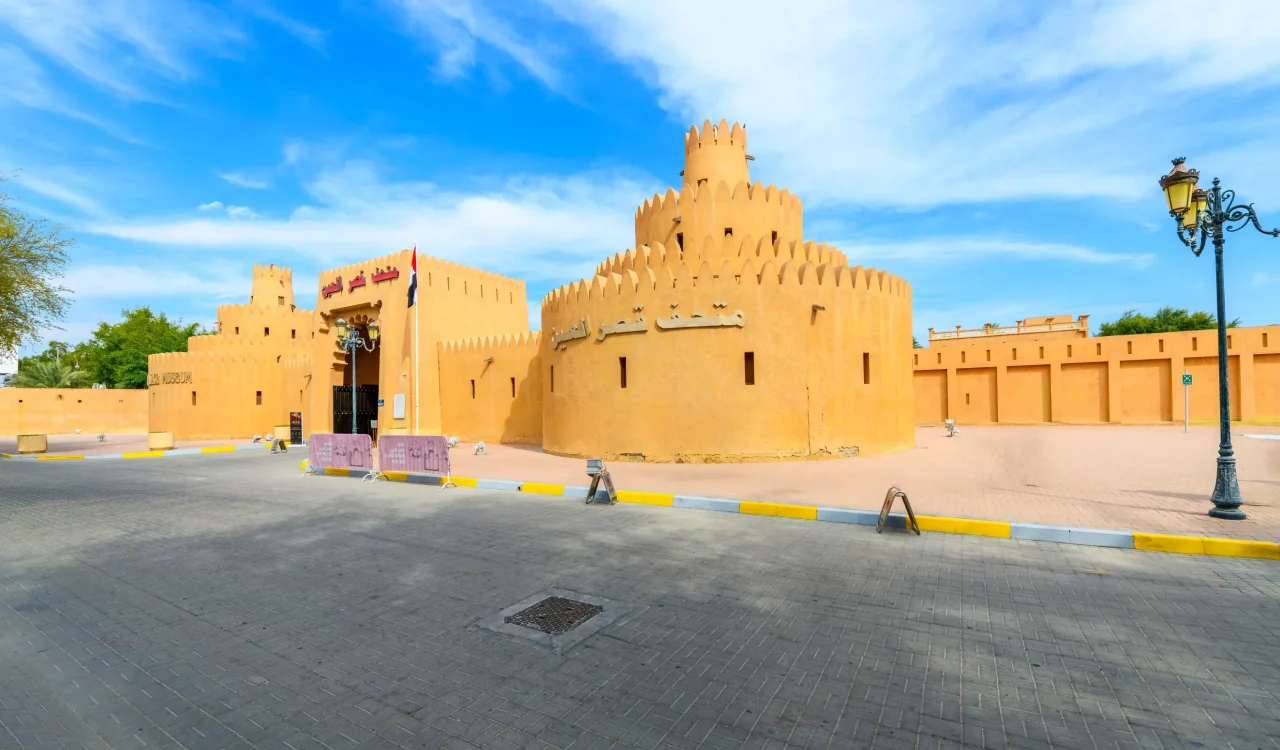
(168, 378)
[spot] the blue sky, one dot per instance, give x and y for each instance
(1001, 156)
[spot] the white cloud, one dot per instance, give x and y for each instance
(927, 102)
(137, 283)
(977, 249)
(538, 228)
(457, 27)
(241, 212)
(210, 206)
(121, 46)
(61, 193)
(244, 180)
(308, 35)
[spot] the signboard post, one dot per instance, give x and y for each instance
(295, 428)
(1186, 401)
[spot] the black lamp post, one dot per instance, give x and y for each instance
(1200, 214)
(350, 340)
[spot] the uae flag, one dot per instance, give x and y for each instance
(413, 278)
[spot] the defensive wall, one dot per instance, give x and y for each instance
(52, 411)
(1098, 380)
(491, 388)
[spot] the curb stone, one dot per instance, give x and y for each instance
(1190, 545)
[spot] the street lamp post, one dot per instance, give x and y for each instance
(1200, 214)
(350, 340)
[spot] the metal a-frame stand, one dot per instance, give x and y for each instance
(888, 503)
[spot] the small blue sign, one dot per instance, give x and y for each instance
(379, 402)
(1186, 379)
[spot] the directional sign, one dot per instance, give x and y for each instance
(1186, 379)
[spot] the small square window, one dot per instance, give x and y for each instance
(293, 333)
(193, 398)
(749, 367)
(266, 331)
(259, 398)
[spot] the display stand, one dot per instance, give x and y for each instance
(888, 503)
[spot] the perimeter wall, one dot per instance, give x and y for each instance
(1100, 380)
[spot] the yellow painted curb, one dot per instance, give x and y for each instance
(801, 512)
(780, 510)
(947, 525)
(646, 498)
(538, 488)
(144, 454)
(6, 455)
(330, 471)
(1186, 545)
(59, 458)
(303, 466)
(218, 449)
(396, 476)
(1242, 548)
(465, 481)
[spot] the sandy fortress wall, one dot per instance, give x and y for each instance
(723, 336)
(1098, 380)
(51, 411)
(491, 388)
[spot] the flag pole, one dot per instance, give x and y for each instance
(417, 411)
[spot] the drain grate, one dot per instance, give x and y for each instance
(554, 615)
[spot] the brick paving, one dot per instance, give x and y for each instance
(1115, 477)
(225, 602)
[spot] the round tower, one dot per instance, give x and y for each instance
(717, 154)
(725, 336)
(272, 287)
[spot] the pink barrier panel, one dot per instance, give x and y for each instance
(340, 451)
(416, 454)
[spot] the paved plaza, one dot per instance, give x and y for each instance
(1132, 478)
(223, 601)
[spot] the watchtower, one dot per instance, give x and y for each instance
(272, 287)
(717, 153)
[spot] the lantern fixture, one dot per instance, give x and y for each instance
(1178, 186)
(341, 325)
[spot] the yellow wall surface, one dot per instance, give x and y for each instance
(491, 388)
(52, 411)
(1116, 379)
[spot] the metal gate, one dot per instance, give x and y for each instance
(366, 408)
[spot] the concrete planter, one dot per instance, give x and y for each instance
(280, 432)
(33, 443)
(159, 441)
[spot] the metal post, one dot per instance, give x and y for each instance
(1226, 490)
(1186, 403)
(353, 382)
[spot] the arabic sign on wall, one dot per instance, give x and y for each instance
(379, 275)
(168, 378)
(417, 454)
(340, 451)
(737, 320)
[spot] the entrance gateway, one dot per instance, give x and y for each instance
(366, 409)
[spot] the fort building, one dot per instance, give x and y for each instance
(722, 335)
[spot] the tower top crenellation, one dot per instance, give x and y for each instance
(717, 152)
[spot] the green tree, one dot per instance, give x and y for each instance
(32, 258)
(915, 343)
(49, 373)
(117, 353)
(1166, 320)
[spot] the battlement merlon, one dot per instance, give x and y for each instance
(716, 153)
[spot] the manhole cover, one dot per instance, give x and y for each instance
(554, 615)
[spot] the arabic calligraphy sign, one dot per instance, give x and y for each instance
(416, 454)
(357, 281)
(699, 320)
(331, 289)
(387, 275)
(577, 332)
(340, 451)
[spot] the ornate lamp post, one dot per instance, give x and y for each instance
(1199, 214)
(350, 340)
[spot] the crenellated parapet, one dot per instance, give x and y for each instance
(734, 250)
(716, 153)
(505, 342)
(718, 210)
(272, 287)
